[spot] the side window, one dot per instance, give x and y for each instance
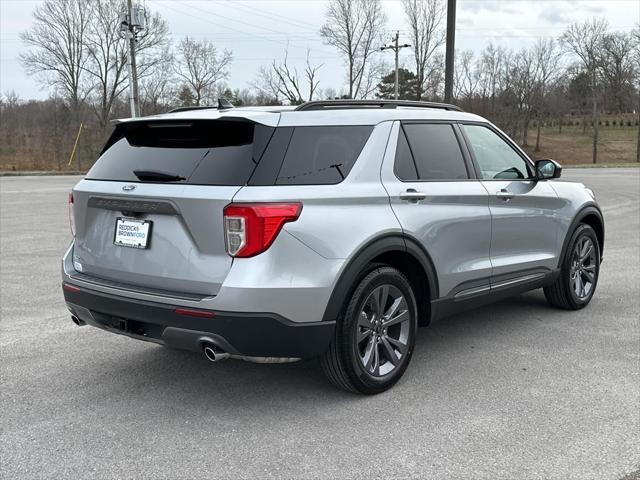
(322, 155)
(436, 151)
(404, 166)
(495, 157)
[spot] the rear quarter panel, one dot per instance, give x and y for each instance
(337, 220)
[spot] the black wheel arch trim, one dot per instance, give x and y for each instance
(355, 268)
(586, 210)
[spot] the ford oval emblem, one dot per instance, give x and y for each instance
(128, 188)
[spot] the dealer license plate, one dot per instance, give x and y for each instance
(132, 233)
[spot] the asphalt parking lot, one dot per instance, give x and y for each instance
(516, 390)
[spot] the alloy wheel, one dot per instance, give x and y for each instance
(383, 330)
(583, 268)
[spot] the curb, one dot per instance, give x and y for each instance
(603, 165)
(39, 173)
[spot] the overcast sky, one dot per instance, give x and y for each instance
(258, 31)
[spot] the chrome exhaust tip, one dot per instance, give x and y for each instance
(214, 354)
(77, 321)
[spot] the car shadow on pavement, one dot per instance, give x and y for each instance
(180, 377)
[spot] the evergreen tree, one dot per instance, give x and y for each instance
(407, 85)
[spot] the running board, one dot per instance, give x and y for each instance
(498, 286)
(479, 295)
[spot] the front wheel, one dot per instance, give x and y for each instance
(579, 273)
(375, 337)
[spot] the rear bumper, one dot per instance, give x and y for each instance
(247, 334)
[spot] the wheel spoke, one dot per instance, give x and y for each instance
(587, 251)
(589, 276)
(368, 358)
(401, 317)
(380, 296)
(583, 247)
(389, 352)
(375, 365)
(363, 335)
(589, 268)
(400, 346)
(364, 320)
(391, 311)
(576, 285)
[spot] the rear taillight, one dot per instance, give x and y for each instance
(251, 228)
(72, 220)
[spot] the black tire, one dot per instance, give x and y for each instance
(344, 364)
(562, 293)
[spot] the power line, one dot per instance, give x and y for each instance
(267, 14)
(242, 23)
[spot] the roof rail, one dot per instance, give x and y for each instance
(343, 104)
(223, 104)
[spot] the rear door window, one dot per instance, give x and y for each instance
(436, 151)
(322, 155)
(210, 152)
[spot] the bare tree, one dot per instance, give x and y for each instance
(311, 74)
(525, 75)
(57, 55)
(466, 77)
(288, 80)
(354, 27)
(427, 35)
(267, 85)
(434, 78)
(107, 65)
(283, 79)
(371, 78)
(636, 55)
(547, 57)
(200, 66)
(619, 67)
(157, 84)
(586, 42)
(493, 60)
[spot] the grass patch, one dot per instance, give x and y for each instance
(616, 145)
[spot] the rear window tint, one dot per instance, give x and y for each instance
(210, 152)
(322, 155)
(436, 151)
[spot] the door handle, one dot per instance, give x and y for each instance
(412, 195)
(505, 194)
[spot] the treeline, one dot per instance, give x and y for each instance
(76, 51)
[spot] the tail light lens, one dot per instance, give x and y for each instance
(72, 220)
(251, 228)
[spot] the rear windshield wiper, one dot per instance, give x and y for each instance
(155, 176)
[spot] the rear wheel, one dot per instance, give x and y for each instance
(374, 339)
(579, 273)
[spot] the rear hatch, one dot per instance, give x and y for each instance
(150, 211)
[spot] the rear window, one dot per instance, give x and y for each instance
(229, 153)
(436, 152)
(210, 152)
(321, 155)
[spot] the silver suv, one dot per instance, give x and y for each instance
(332, 230)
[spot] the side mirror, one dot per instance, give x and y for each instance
(548, 169)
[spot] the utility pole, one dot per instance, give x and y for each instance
(450, 51)
(396, 48)
(132, 22)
